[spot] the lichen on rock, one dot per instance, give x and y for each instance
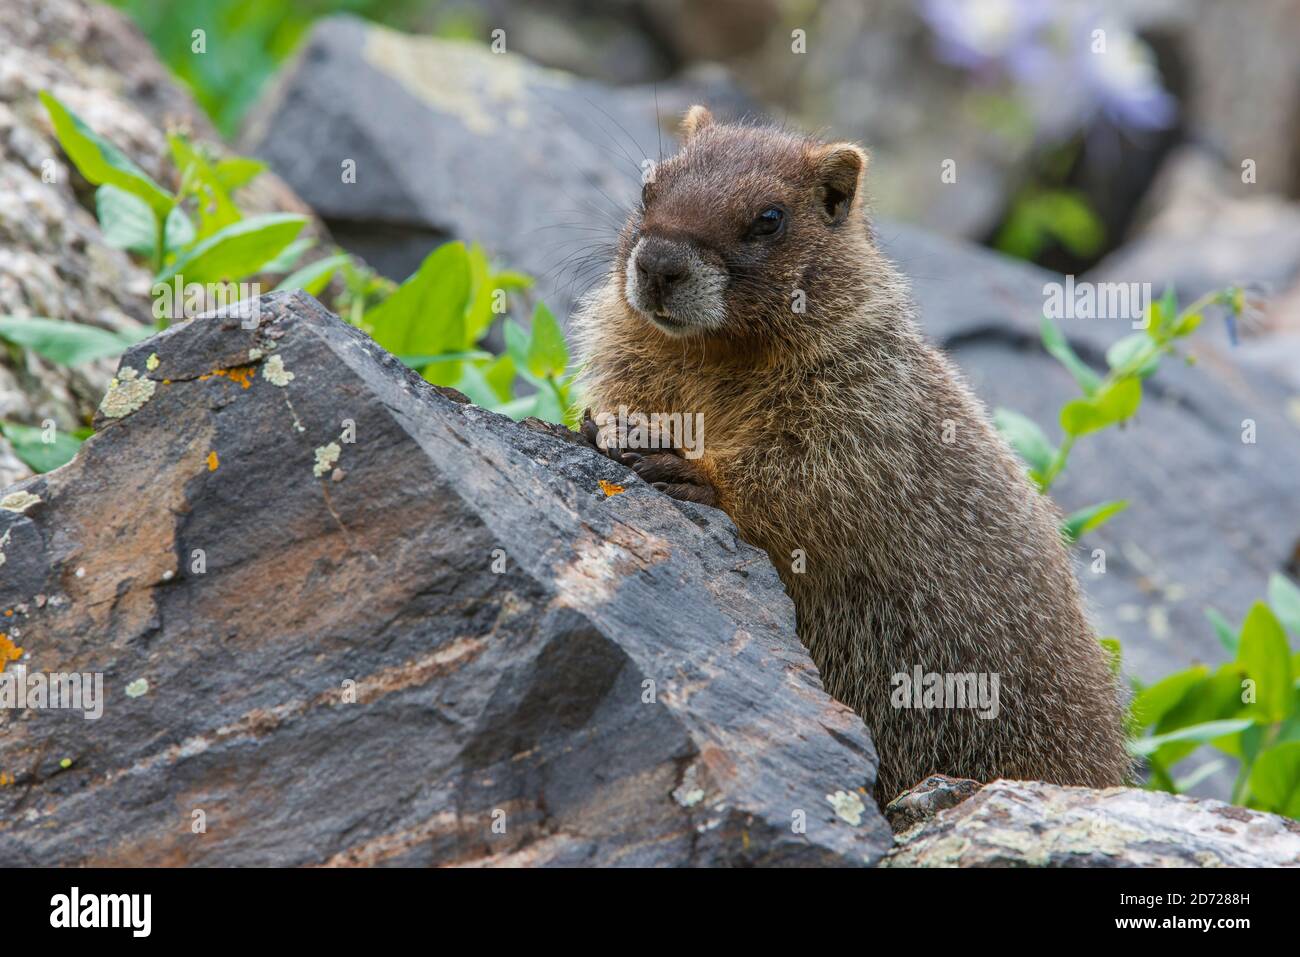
(126, 393)
(326, 456)
(274, 372)
(19, 501)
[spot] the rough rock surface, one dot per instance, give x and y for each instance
(53, 259)
(393, 642)
(925, 800)
(1030, 824)
(452, 141)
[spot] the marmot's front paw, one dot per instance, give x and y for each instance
(667, 471)
(591, 432)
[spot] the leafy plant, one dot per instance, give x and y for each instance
(1248, 709)
(436, 321)
(1105, 400)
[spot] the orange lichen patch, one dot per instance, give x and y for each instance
(241, 374)
(213, 461)
(609, 488)
(9, 612)
(8, 651)
(5, 779)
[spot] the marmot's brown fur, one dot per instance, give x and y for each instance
(839, 441)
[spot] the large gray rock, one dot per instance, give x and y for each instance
(1030, 824)
(395, 643)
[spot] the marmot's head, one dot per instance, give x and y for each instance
(741, 231)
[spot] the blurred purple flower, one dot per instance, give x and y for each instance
(989, 35)
(1123, 82)
(1032, 43)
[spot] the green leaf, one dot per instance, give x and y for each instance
(1066, 215)
(1275, 779)
(1163, 312)
(1086, 519)
(1284, 597)
(508, 279)
(314, 277)
(500, 376)
(38, 455)
(1157, 700)
(289, 256)
(59, 340)
(548, 408)
(519, 408)
(469, 355)
(236, 171)
(1024, 435)
(1265, 657)
(547, 353)
(1115, 403)
(1227, 635)
(180, 230)
(1114, 652)
(1135, 353)
(238, 251)
(198, 179)
(517, 345)
(1206, 770)
(425, 316)
(126, 220)
(1196, 733)
(1216, 698)
(99, 161)
(1057, 346)
(1187, 324)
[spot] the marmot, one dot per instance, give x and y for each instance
(747, 288)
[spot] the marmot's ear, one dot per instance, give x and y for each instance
(697, 118)
(839, 174)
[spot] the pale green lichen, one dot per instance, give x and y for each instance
(326, 456)
(482, 89)
(138, 687)
(848, 806)
(152, 362)
(19, 501)
(126, 393)
(275, 373)
(254, 354)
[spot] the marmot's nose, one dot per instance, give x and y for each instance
(660, 265)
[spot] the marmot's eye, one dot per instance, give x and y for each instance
(767, 222)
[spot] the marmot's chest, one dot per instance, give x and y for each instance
(716, 414)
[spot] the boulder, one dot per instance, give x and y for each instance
(342, 618)
(1031, 824)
